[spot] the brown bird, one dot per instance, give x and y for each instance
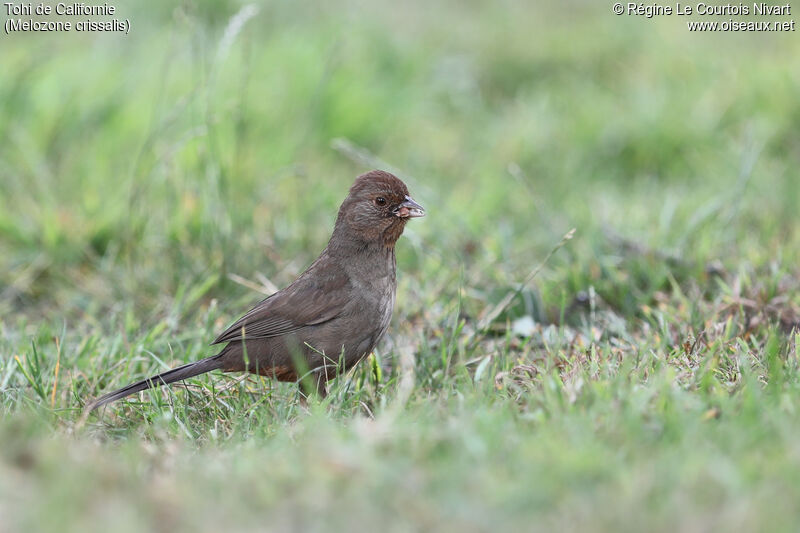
(335, 312)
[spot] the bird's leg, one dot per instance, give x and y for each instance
(314, 383)
(322, 382)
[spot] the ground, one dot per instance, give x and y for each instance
(596, 324)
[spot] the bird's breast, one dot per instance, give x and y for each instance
(373, 295)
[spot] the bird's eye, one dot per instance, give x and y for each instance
(380, 200)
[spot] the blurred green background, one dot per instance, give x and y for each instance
(154, 185)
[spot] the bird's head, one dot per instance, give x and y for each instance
(377, 209)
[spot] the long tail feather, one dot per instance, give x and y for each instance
(170, 376)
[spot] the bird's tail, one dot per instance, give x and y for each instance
(170, 376)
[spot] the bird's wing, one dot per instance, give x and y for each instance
(307, 302)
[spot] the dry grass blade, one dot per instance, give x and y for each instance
(501, 306)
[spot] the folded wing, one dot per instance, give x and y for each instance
(307, 302)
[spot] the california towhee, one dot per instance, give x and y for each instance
(336, 311)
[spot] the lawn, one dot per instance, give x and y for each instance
(597, 322)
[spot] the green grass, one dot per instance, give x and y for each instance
(153, 185)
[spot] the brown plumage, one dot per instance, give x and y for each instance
(336, 311)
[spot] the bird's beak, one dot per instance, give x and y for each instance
(409, 209)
